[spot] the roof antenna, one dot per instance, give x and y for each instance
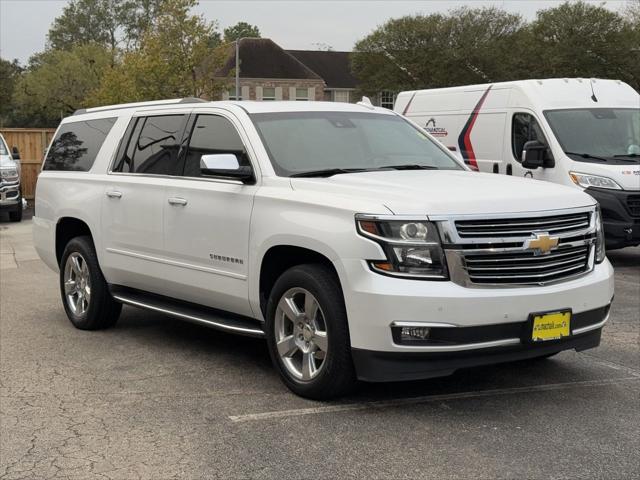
(366, 102)
(593, 93)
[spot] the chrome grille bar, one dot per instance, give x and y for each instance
(521, 226)
(490, 252)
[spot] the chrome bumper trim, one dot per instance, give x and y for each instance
(462, 347)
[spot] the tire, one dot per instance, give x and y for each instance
(16, 215)
(100, 309)
(329, 372)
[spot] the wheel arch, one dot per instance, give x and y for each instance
(279, 258)
(68, 228)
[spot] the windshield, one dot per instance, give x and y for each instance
(299, 142)
(3, 147)
(610, 133)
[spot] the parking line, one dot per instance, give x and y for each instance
(607, 363)
(424, 399)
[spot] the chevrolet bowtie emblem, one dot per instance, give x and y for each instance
(541, 244)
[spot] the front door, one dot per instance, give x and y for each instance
(206, 222)
(525, 127)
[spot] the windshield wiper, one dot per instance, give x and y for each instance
(630, 157)
(587, 155)
(410, 167)
(329, 172)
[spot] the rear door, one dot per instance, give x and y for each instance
(134, 196)
(206, 219)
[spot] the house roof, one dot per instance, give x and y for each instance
(333, 67)
(263, 58)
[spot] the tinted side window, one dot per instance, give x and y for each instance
(76, 145)
(212, 134)
(524, 128)
(154, 146)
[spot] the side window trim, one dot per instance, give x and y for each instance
(123, 146)
(184, 144)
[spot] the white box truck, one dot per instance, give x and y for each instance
(579, 132)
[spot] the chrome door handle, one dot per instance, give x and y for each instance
(114, 194)
(177, 201)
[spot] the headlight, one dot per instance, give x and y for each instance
(585, 181)
(600, 246)
(9, 173)
(413, 248)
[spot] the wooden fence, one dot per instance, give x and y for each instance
(31, 143)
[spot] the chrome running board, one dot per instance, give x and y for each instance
(190, 312)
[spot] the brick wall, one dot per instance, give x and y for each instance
(285, 88)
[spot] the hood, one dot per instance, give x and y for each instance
(627, 175)
(447, 192)
(7, 161)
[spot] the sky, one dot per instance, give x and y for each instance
(293, 24)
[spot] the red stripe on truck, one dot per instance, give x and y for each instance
(406, 109)
(464, 140)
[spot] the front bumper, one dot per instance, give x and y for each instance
(10, 196)
(620, 215)
(376, 302)
(389, 367)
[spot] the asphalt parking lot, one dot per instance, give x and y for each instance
(158, 398)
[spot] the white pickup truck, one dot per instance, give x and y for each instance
(359, 246)
(10, 191)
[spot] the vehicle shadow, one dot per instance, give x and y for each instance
(250, 356)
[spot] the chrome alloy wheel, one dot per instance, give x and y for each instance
(301, 334)
(77, 283)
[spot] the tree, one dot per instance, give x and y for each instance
(113, 23)
(240, 30)
(576, 39)
(9, 74)
(85, 21)
(178, 57)
(464, 46)
(57, 82)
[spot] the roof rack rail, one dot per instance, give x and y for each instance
(155, 103)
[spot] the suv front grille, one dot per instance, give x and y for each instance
(521, 227)
(633, 203)
(521, 249)
(526, 267)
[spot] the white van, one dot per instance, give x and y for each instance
(579, 132)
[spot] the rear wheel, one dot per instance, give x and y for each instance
(307, 333)
(85, 293)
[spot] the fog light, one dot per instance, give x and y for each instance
(414, 333)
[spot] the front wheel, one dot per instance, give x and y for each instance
(307, 333)
(16, 215)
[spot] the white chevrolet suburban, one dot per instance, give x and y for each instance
(358, 245)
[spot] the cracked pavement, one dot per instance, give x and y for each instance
(155, 398)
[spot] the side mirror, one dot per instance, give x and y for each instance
(225, 165)
(536, 154)
(15, 153)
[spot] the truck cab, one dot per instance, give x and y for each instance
(584, 133)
